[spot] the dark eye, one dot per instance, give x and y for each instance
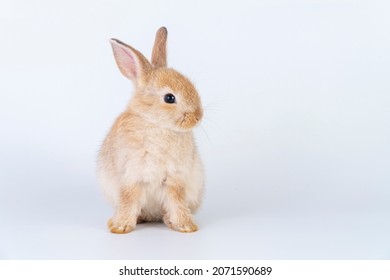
(169, 98)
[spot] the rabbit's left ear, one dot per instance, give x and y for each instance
(131, 62)
(159, 53)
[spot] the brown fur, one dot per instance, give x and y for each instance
(148, 164)
(159, 53)
(127, 211)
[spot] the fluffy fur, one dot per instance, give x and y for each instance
(148, 165)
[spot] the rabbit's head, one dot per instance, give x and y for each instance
(162, 96)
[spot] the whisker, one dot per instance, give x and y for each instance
(205, 133)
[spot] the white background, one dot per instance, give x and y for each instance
(295, 138)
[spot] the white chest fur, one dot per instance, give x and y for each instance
(160, 153)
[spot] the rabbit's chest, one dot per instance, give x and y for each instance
(169, 154)
(162, 155)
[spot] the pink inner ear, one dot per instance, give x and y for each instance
(125, 60)
(129, 56)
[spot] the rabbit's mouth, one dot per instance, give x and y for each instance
(190, 119)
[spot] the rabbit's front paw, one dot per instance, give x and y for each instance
(182, 224)
(117, 226)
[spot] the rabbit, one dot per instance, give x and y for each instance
(148, 165)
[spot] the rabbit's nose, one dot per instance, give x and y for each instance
(198, 114)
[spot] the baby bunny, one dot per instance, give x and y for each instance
(148, 165)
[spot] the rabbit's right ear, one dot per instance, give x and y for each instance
(159, 53)
(131, 62)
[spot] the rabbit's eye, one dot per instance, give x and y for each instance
(169, 98)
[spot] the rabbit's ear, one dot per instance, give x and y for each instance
(159, 53)
(131, 62)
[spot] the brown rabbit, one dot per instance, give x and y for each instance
(148, 165)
